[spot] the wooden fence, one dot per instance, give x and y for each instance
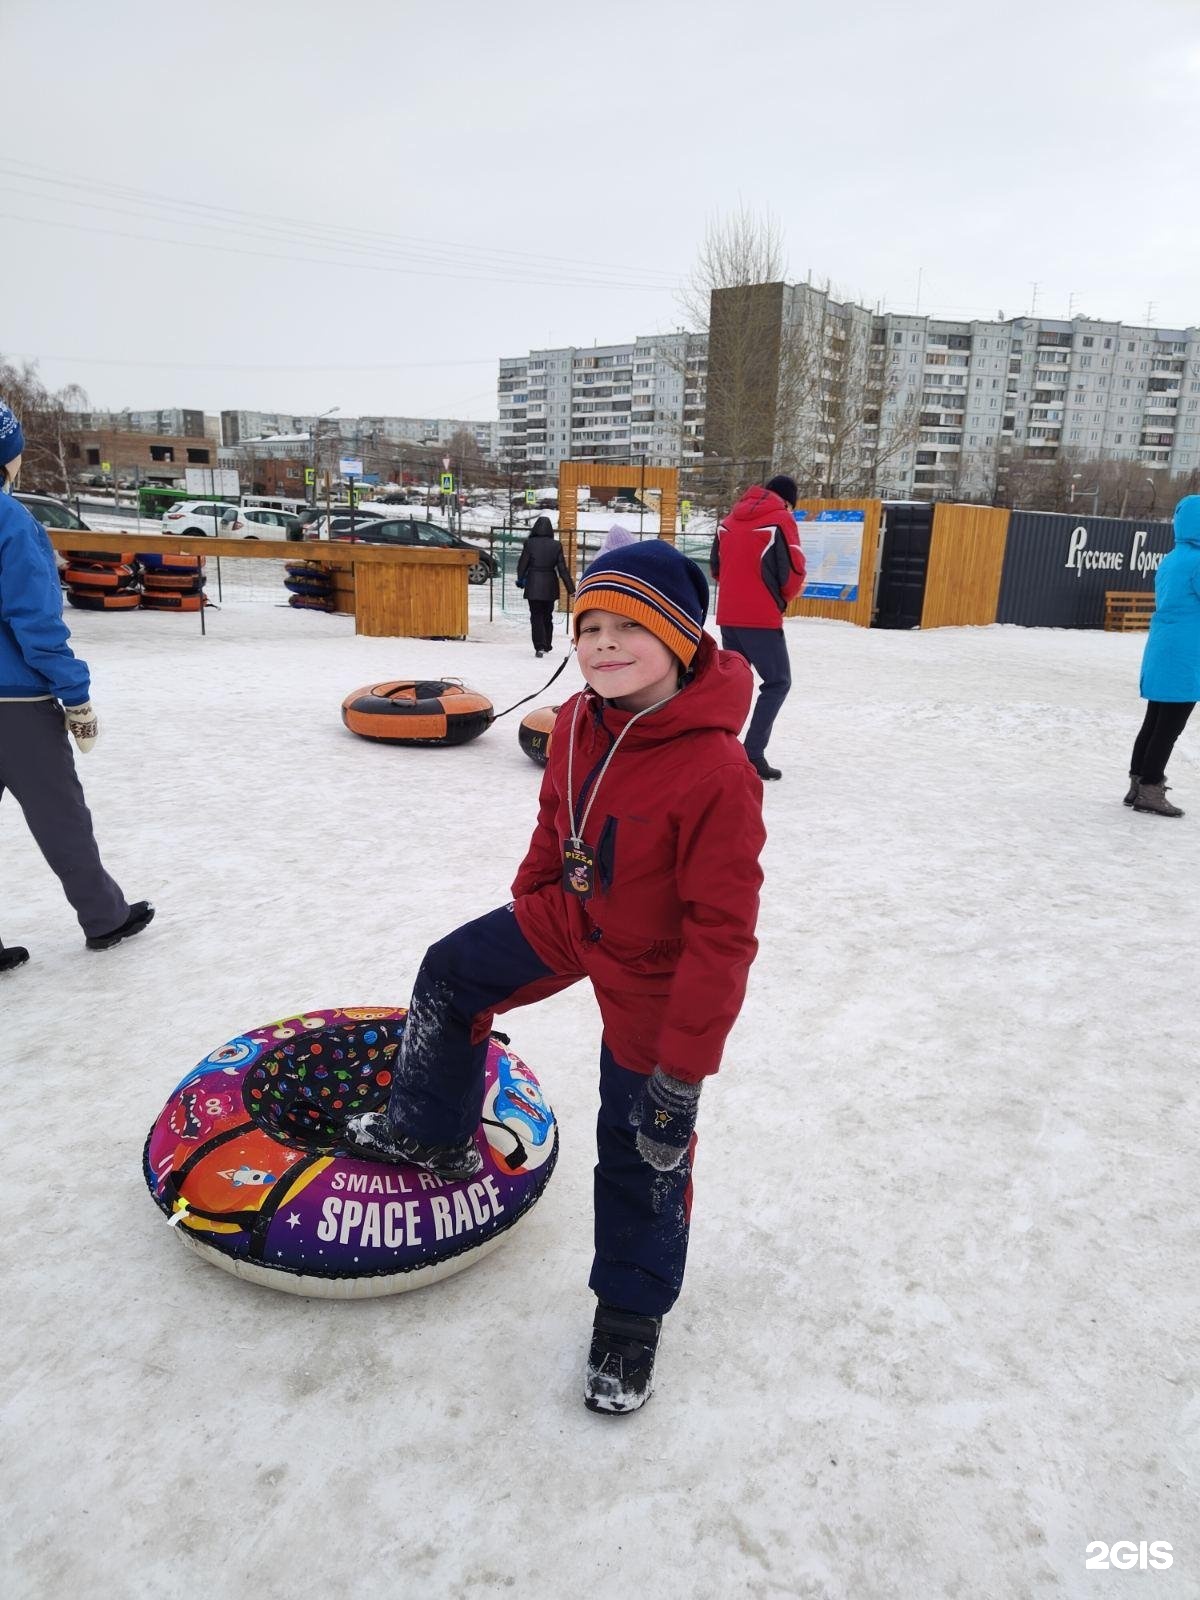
(966, 557)
(393, 592)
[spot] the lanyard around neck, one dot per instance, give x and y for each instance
(577, 830)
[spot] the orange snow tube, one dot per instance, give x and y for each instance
(155, 601)
(417, 711)
(99, 601)
(534, 733)
(172, 582)
(94, 576)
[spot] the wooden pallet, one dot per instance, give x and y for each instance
(1128, 610)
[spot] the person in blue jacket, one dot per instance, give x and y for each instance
(44, 694)
(1170, 665)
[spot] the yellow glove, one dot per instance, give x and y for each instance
(82, 725)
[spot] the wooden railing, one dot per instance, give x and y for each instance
(394, 591)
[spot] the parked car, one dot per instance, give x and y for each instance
(405, 530)
(623, 503)
(52, 513)
(272, 523)
(200, 519)
(338, 521)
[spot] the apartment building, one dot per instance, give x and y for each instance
(918, 408)
(357, 433)
(624, 402)
(172, 423)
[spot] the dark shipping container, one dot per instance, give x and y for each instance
(1058, 568)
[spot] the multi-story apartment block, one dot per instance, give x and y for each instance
(626, 402)
(357, 433)
(428, 432)
(173, 423)
(912, 407)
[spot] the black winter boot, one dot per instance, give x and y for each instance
(620, 1369)
(12, 956)
(1134, 780)
(371, 1137)
(140, 916)
(764, 768)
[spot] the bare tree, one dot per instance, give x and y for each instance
(50, 422)
(735, 293)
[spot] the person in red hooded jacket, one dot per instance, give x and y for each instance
(757, 559)
(642, 875)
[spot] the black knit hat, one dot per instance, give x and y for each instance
(785, 488)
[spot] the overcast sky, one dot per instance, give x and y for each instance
(293, 205)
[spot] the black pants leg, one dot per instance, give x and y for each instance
(541, 623)
(1164, 721)
(36, 764)
(641, 1215)
(767, 652)
(437, 1093)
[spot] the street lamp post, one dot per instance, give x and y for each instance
(314, 441)
(1153, 494)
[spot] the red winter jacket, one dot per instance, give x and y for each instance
(756, 557)
(667, 938)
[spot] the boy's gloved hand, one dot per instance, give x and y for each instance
(82, 725)
(665, 1116)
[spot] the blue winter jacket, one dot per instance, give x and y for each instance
(1171, 663)
(35, 658)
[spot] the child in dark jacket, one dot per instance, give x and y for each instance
(642, 875)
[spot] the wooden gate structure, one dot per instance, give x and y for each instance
(572, 475)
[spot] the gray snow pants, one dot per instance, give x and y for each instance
(37, 765)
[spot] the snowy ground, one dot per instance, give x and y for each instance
(939, 1329)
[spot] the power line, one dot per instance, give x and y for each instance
(356, 266)
(271, 226)
(256, 366)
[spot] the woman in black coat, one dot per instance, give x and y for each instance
(541, 567)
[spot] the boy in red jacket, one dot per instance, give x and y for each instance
(757, 558)
(642, 875)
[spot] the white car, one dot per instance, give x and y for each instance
(207, 519)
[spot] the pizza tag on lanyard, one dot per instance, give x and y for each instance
(579, 863)
(579, 869)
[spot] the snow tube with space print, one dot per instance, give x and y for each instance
(533, 733)
(242, 1161)
(411, 711)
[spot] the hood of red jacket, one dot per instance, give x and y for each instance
(757, 506)
(717, 695)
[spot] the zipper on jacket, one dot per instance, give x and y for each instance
(606, 853)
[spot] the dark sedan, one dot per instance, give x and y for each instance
(408, 530)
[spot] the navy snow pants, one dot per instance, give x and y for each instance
(641, 1215)
(767, 652)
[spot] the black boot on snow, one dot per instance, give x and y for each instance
(764, 768)
(372, 1138)
(140, 916)
(1131, 792)
(620, 1369)
(13, 956)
